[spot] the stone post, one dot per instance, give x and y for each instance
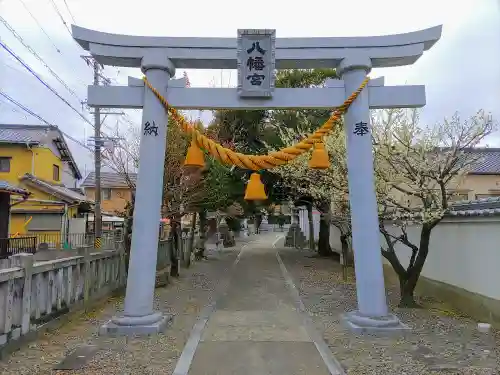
(372, 311)
(25, 261)
(138, 316)
(85, 253)
(122, 271)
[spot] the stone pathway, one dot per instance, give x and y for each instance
(255, 327)
(236, 313)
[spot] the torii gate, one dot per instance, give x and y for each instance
(158, 57)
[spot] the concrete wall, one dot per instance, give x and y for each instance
(33, 293)
(464, 252)
(462, 265)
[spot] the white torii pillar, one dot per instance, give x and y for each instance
(372, 314)
(138, 315)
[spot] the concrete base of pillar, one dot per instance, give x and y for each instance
(136, 326)
(380, 326)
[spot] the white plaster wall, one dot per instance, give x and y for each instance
(67, 177)
(335, 243)
(464, 252)
(77, 226)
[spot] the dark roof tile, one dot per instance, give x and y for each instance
(58, 190)
(109, 180)
(5, 186)
(488, 160)
(480, 207)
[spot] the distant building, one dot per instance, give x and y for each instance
(483, 180)
(37, 158)
(116, 191)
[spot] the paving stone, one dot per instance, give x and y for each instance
(78, 358)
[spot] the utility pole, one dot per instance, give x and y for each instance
(98, 143)
(97, 167)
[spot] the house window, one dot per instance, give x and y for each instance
(55, 172)
(44, 222)
(106, 194)
(4, 164)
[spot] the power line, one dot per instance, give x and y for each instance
(60, 16)
(13, 108)
(13, 67)
(5, 47)
(49, 87)
(40, 26)
(33, 52)
(26, 109)
(47, 35)
(27, 67)
(40, 118)
(69, 11)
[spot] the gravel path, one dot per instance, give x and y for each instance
(438, 344)
(157, 354)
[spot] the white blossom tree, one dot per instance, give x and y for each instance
(327, 189)
(418, 170)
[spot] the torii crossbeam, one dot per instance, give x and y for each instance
(132, 96)
(353, 57)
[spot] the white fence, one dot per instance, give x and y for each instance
(33, 293)
(464, 260)
(464, 252)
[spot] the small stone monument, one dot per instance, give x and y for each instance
(264, 225)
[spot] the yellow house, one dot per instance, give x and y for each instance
(37, 158)
(116, 191)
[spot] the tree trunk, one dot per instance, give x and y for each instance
(311, 226)
(257, 221)
(343, 256)
(127, 235)
(187, 260)
(407, 298)
(175, 248)
(324, 248)
(408, 281)
(203, 219)
(345, 247)
(200, 248)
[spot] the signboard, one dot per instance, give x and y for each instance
(256, 56)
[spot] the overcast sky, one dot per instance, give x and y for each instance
(461, 72)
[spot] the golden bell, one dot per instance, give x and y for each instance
(319, 158)
(255, 189)
(194, 156)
